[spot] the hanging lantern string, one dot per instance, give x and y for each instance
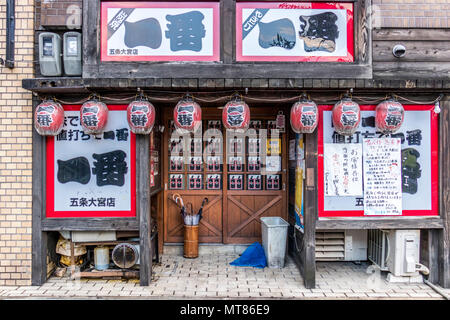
(223, 99)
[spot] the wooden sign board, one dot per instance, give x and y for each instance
(92, 176)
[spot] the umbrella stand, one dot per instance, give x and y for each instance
(190, 241)
(190, 235)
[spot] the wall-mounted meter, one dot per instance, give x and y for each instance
(50, 54)
(72, 53)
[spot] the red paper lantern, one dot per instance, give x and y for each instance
(304, 116)
(187, 115)
(93, 117)
(389, 116)
(346, 116)
(141, 116)
(49, 118)
(236, 115)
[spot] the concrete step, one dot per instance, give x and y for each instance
(207, 248)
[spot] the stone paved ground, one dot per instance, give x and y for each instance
(211, 276)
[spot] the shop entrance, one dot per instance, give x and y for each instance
(243, 177)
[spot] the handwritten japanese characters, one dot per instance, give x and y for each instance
(382, 176)
(415, 138)
(343, 169)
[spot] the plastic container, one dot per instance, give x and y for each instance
(101, 258)
(274, 238)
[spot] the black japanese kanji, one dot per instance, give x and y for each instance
(308, 120)
(186, 31)
(393, 119)
(414, 137)
(44, 120)
(110, 168)
(139, 120)
(74, 170)
(122, 134)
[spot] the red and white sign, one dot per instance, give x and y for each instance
(91, 176)
(420, 166)
(160, 31)
(294, 31)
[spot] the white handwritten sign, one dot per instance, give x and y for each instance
(382, 176)
(343, 169)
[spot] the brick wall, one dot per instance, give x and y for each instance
(413, 13)
(57, 13)
(16, 150)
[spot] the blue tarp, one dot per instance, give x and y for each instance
(253, 256)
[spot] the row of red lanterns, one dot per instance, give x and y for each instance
(187, 114)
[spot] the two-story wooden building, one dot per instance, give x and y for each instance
(269, 53)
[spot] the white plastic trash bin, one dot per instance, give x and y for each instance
(274, 238)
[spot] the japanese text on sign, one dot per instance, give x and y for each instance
(343, 172)
(382, 176)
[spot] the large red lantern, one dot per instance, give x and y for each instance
(49, 118)
(346, 116)
(187, 115)
(236, 115)
(141, 116)
(304, 116)
(389, 116)
(93, 117)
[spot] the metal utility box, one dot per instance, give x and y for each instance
(72, 53)
(341, 245)
(50, 54)
(403, 253)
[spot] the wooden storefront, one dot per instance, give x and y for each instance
(269, 87)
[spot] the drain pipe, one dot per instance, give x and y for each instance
(425, 271)
(435, 288)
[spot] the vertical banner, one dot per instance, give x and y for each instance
(382, 176)
(343, 169)
(299, 171)
(92, 176)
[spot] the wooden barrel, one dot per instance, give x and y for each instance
(190, 241)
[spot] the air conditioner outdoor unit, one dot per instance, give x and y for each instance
(341, 245)
(396, 251)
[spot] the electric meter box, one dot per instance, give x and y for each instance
(72, 53)
(50, 54)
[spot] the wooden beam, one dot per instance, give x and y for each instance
(444, 179)
(380, 223)
(39, 238)
(90, 224)
(143, 207)
(393, 34)
(310, 210)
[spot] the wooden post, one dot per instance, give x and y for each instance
(143, 207)
(310, 210)
(443, 245)
(39, 238)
